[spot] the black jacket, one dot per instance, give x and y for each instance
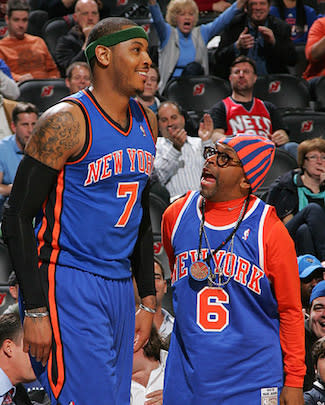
(316, 396)
(69, 48)
(277, 57)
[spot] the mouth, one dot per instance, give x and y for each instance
(207, 177)
(143, 74)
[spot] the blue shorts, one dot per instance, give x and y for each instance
(93, 331)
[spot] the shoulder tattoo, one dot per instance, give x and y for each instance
(53, 137)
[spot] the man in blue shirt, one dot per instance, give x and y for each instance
(24, 117)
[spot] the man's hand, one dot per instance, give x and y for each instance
(291, 396)
(280, 137)
(267, 34)
(206, 127)
(245, 40)
(221, 6)
(143, 323)
(177, 136)
(38, 337)
(154, 398)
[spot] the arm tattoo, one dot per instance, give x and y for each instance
(53, 136)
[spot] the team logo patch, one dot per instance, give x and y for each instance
(72, 403)
(199, 89)
(157, 248)
(275, 86)
(307, 126)
(2, 298)
(47, 91)
(246, 234)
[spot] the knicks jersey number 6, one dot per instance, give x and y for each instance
(211, 314)
(129, 191)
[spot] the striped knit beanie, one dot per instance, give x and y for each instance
(256, 154)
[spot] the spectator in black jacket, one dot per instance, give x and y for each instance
(260, 36)
(70, 47)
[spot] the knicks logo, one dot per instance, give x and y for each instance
(199, 89)
(307, 126)
(47, 91)
(275, 86)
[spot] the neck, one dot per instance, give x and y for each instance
(311, 182)
(146, 101)
(289, 3)
(117, 110)
(243, 96)
(158, 317)
(142, 374)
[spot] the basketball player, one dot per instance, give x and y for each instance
(235, 287)
(87, 167)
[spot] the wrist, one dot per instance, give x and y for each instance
(41, 312)
(147, 309)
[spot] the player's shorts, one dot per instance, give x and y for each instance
(93, 329)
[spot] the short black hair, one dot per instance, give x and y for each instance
(21, 108)
(17, 5)
(242, 59)
(107, 26)
(10, 327)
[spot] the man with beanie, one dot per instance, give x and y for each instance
(314, 329)
(235, 282)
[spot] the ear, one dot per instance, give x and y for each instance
(165, 287)
(13, 127)
(6, 19)
(103, 55)
(67, 83)
(7, 347)
(244, 184)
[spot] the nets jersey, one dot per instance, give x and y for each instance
(256, 121)
(91, 218)
(225, 346)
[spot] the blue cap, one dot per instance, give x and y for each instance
(307, 264)
(317, 291)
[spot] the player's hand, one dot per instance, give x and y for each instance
(291, 396)
(38, 338)
(177, 136)
(154, 398)
(206, 127)
(143, 323)
(245, 40)
(280, 137)
(267, 34)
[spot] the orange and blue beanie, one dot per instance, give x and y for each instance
(256, 154)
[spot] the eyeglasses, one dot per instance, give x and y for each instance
(222, 158)
(314, 158)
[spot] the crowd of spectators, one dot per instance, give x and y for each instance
(257, 38)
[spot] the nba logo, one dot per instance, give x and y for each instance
(47, 91)
(199, 89)
(275, 87)
(307, 126)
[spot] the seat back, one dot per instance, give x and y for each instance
(43, 92)
(304, 124)
(282, 163)
(300, 66)
(5, 298)
(36, 22)
(52, 30)
(283, 90)
(197, 93)
(320, 94)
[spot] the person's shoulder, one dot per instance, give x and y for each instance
(6, 142)
(175, 207)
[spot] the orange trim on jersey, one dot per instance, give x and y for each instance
(56, 388)
(108, 120)
(40, 235)
(146, 118)
(89, 128)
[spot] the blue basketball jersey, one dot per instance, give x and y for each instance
(91, 219)
(225, 347)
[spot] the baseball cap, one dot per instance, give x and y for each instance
(317, 291)
(256, 154)
(307, 264)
